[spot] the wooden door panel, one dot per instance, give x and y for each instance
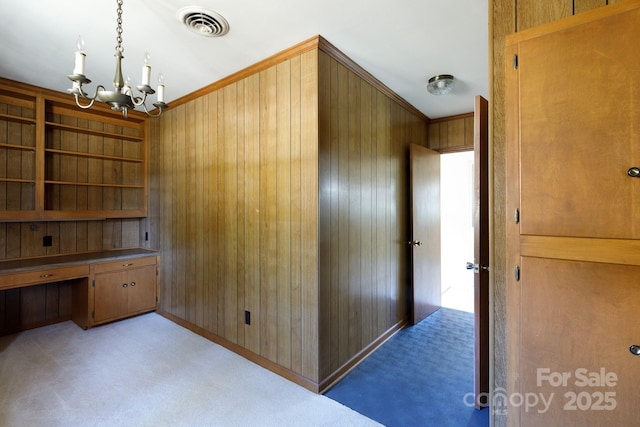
(580, 318)
(579, 115)
(481, 248)
(425, 228)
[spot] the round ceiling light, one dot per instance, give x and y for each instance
(441, 84)
(203, 22)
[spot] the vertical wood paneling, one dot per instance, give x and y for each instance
(204, 225)
(229, 209)
(354, 213)
(585, 5)
(325, 177)
(362, 170)
(342, 209)
(283, 208)
(455, 133)
(366, 218)
(192, 205)
(242, 172)
(309, 216)
(386, 289)
(531, 13)
(252, 212)
(307, 194)
(214, 203)
(451, 133)
(297, 242)
(181, 221)
(268, 210)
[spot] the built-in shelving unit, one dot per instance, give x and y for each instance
(60, 162)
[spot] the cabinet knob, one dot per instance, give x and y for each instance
(128, 264)
(133, 283)
(124, 285)
(44, 276)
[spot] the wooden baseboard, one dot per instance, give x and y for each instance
(247, 354)
(352, 363)
(294, 377)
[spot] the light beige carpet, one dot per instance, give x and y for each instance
(147, 371)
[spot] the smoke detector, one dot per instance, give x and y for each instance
(203, 22)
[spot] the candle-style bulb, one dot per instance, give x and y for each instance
(78, 68)
(127, 86)
(160, 87)
(80, 44)
(146, 70)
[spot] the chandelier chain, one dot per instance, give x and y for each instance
(119, 47)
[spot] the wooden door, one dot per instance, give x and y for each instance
(142, 289)
(481, 248)
(110, 295)
(425, 231)
(573, 256)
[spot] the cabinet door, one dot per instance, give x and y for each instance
(111, 291)
(579, 130)
(578, 324)
(141, 289)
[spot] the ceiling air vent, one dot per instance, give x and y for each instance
(203, 22)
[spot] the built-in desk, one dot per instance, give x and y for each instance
(105, 286)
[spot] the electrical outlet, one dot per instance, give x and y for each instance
(47, 241)
(247, 317)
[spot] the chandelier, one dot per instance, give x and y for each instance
(122, 97)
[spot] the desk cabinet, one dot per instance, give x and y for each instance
(123, 288)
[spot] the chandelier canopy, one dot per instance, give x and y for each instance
(122, 97)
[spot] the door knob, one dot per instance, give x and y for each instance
(477, 267)
(415, 243)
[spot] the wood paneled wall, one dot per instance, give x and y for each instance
(284, 192)
(34, 306)
(451, 134)
(24, 239)
(364, 201)
(235, 171)
(509, 16)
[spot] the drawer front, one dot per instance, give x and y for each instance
(124, 264)
(43, 276)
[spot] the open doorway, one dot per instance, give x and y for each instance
(456, 205)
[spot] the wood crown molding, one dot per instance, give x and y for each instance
(450, 118)
(315, 42)
(343, 59)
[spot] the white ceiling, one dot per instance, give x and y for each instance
(400, 42)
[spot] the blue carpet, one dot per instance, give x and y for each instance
(419, 377)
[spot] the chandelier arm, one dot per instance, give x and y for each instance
(87, 106)
(138, 101)
(82, 94)
(149, 113)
